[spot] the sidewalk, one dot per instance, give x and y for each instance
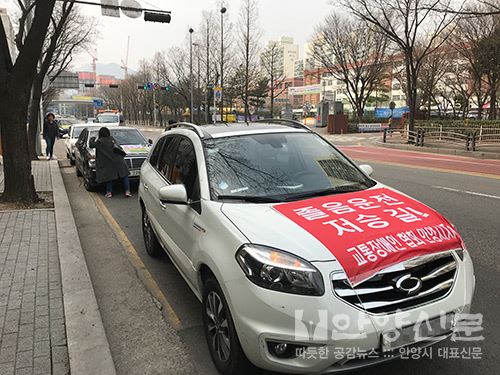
(36, 336)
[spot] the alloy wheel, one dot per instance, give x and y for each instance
(217, 326)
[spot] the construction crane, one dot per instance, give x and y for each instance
(94, 63)
(125, 63)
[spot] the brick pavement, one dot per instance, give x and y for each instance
(41, 175)
(32, 322)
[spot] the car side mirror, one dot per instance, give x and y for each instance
(173, 194)
(367, 169)
(150, 141)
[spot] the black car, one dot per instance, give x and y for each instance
(131, 140)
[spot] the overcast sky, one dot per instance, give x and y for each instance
(295, 18)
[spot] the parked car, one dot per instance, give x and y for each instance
(273, 228)
(70, 140)
(110, 119)
(131, 140)
(65, 123)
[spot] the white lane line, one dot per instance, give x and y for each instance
(466, 192)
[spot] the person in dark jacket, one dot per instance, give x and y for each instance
(109, 162)
(50, 134)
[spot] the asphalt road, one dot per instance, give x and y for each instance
(471, 202)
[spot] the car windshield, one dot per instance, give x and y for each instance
(106, 119)
(124, 136)
(278, 166)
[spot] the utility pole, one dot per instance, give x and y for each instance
(207, 109)
(222, 11)
(191, 73)
(198, 83)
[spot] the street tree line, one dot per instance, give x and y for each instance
(441, 56)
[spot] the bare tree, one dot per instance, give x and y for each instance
(413, 26)
(432, 72)
(353, 53)
(274, 72)
(69, 33)
(16, 80)
(248, 45)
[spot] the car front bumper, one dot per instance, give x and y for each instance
(326, 323)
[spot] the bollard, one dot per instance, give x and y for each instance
(422, 136)
(473, 141)
(384, 137)
(467, 141)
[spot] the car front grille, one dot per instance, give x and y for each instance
(380, 293)
(134, 163)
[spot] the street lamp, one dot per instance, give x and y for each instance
(222, 11)
(198, 46)
(191, 72)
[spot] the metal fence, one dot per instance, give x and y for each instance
(469, 139)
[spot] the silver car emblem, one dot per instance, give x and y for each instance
(409, 284)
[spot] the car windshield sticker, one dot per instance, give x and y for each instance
(135, 149)
(370, 230)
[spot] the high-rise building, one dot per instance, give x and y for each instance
(9, 31)
(286, 54)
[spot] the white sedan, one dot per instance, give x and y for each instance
(72, 136)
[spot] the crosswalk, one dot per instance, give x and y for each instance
(352, 138)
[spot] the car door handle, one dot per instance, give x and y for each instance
(163, 205)
(146, 187)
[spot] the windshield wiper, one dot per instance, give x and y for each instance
(250, 198)
(322, 192)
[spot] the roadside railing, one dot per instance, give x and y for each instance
(470, 139)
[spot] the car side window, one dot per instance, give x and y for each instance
(81, 139)
(185, 169)
(158, 147)
(166, 158)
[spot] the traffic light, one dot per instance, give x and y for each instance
(157, 17)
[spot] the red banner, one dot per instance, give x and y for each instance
(370, 230)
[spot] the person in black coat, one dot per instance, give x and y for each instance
(109, 162)
(50, 134)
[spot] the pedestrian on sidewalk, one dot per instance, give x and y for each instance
(110, 162)
(50, 133)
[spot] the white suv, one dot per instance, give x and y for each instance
(256, 219)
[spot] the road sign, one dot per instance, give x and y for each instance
(218, 92)
(110, 8)
(131, 12)
(66, 80)
(98, 103)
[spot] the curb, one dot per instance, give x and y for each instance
(437, 150)
(88, 345)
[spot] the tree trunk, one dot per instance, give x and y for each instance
(19, 186)
(33, 133)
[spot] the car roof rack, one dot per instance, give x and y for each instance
(186, 125)
(292, 123)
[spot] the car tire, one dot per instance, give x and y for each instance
(87, 182)
(72, 161)
(78, 172)
(220, 333)
(68, 156)
(151, 243)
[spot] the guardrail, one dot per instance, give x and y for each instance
(470, 139)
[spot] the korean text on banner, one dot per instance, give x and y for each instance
(370, 230)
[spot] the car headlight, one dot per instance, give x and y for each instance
(280, 271)
(92, 163)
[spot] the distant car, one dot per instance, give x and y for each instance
(473, 114)
(66, 123)
(110, 119)
(131, 140)
(71, 138)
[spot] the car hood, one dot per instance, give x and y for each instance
(275, 230)
(262, 224)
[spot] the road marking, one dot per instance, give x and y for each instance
(137, 263)
(444, 170)
(466, 192)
